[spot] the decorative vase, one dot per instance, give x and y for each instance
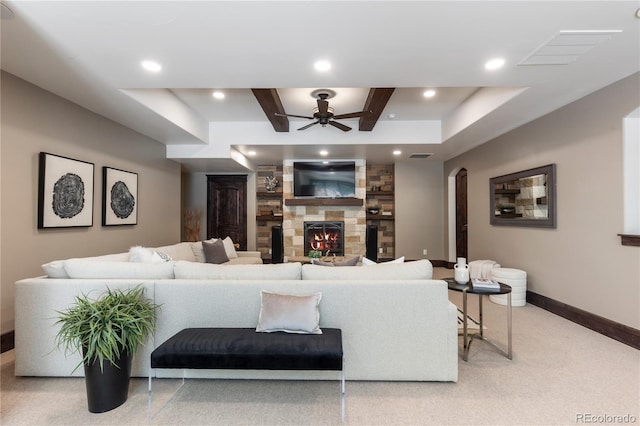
(270, 183)
(461, 271)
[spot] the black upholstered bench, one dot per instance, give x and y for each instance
(246, 349)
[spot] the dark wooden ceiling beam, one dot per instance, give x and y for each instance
(376, 101)
(270, 102)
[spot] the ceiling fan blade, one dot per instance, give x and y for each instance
(292, 115)
(323, 107)
(351, 115)
(340, 126)
(309, 125)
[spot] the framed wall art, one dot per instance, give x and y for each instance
(119, 197)
(65, 192)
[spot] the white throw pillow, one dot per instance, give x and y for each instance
(55, 269)
(289, 313)
(229, 248)
(140, 254)
(369, 262)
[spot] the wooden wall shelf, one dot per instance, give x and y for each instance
(265, 194)
(379, 217)
(324, 202)
(379, 194)
(268, 218)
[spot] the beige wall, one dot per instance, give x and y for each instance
(418, 209)
(34, 120)
(581, 262)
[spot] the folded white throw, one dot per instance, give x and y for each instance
(481, 268)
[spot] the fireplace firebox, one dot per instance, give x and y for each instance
(326, 237)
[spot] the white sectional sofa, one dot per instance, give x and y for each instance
(397, 323)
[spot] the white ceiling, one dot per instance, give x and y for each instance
(90, 53)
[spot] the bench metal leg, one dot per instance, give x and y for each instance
(149, 411)
(342, 393)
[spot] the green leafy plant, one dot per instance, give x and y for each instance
(117, 322)
(315, 254)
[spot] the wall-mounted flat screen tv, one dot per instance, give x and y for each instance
(335, 179)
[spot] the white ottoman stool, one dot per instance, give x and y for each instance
(515, 278)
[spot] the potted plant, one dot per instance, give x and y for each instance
(108, 331)
(315, 254)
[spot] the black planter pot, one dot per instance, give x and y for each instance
(109, 388)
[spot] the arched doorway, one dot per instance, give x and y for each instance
(461, 214)
(457, 213)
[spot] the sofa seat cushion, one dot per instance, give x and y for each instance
(416, 270)
(97, 269)
(209, 271)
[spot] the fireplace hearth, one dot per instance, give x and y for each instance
(326, 237)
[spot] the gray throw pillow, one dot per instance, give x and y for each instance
(349, 262)
(214, 252)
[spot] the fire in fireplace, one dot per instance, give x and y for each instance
(327, 237)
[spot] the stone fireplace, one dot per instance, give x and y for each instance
(353, 218)
(326, 237)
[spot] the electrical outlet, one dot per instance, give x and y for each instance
(424, 252)
(270, 251)
(380, 250)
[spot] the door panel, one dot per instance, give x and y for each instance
(461, 214)
(227, 208)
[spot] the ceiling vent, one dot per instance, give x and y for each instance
(566, 46)
(420, 155)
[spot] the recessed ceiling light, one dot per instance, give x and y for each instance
(152, 66)
(397, 152)
(218, 94)
(429, 93)
(251, 153)
(322, 65)
(324, 152)
(494, 64)
(638, 13)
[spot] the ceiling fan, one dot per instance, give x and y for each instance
(323, 114)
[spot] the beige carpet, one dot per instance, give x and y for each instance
(560, 373)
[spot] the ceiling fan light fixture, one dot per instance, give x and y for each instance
(316, 110)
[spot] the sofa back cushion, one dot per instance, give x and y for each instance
(98, 269)
(210, 271)
(417, 270)
(55, 269)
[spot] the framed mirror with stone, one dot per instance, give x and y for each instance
(525, 198)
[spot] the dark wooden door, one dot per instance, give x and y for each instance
(461, 214)
(227, 208)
